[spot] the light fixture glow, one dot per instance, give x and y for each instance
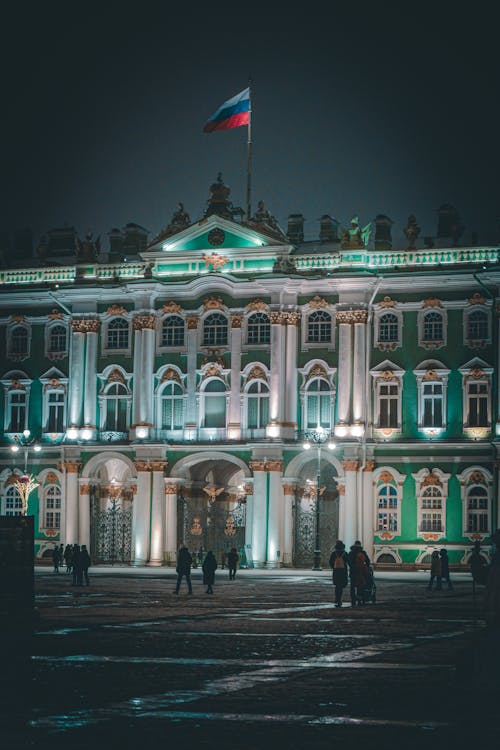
(306, 446)
(37, 448)
(341, 430)
(14, 448)
(86, 433)
(141, 432)
(72, 433)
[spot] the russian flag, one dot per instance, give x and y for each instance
(231, 114)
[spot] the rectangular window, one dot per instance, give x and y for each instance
(387, 521)
(477, 407)
(432, 405)
(17, 412)
(55, 422)
(431, 522)
(388, 406)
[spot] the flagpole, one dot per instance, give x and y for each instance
(249, 150)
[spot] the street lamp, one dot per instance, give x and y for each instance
(318, 437)
(26, 482)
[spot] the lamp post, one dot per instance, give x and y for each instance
(318, 437)
(26, 482)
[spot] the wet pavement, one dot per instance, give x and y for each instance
(266, 661)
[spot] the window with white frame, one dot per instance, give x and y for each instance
(432, 395)
(116, 401)
(117, 334)
(431, 494)
(477, 326)
(172, 406)
(58, 340)
(388, 328)
(172, 331)
(16, 411)
(433, 326)
(477, 509)
(13, 505)
(318, 404)
(52, 507)
(319, 327)
(387, 508)
(55, 409)
(257, 394)
(432, 509)
(214, 403)
(215, 330)
(258, 329)
(477, 402)
(19, 341)
(388, 397)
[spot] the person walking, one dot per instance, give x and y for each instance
(223, 559)
(76, 565)
(339, 564)
(209, 567)
(445, 567)
(56, 559)
(232, 562)
(85, 564)
(478, 566)
(184, 561)
(68, 557)
(357, 572)
(435, 571)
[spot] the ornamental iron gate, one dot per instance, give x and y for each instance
(111, 529)
(216, 526)
(304, 519)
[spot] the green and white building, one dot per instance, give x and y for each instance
(170, 384)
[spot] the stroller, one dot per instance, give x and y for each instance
(368, 593)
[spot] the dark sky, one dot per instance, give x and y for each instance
(388, 112)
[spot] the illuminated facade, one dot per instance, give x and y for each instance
(171, 392)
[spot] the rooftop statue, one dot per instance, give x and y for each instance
(355, 237)
(88, 249)
(412, 230)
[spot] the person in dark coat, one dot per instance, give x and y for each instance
(56, 559)
(477, 564)
(356, 573)
(232, 562)
(68, 557)
(445, 567)
(209, 567)
(76, 566)
(184, 561)
(435, 571)
(85, 563)
(339, 564)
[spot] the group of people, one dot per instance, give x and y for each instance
(209, 565)
(440, 570)
(352, 567)
(77, 561)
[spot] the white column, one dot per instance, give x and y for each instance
(137, 377)
(76, 373)
(192, 350)
(157, 514)
(342, 511)
(248, 489)
(277, 379)
(90, 399)
(84, 515)
(142, 514)
(288, 499)
(368, 531)
(148, 353)
(359, 374)
(291, 373)
(259, 514)
(350, 503)
(276, 514)
(71, 498)
(344, 372)
(171, 522)
(234, 421)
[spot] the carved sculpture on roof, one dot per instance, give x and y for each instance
(115, 376)
(477, 299)
(318, 302)
(212, 371)
(215, 260)
(171, 374)
(213, 303)
(412, 230)
(257, 305)
(317, 371)
(88, 249)
(477, 477)
(116, 310)
(432, 480)
(387, 302)
(355, 237)
(264, 217)
(171, 307)
(180, 219)
(218, 202)
(257, 373)
(432, 302)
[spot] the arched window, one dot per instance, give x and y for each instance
(433, 327)
(172, 407)
(57, 340)
(259, 329)
(477, 325)
(13, 505)
(172, 331)
(19, 340)
(214, 395)
(388, 511)
(117, 337)
(388, 328)
(432, 509)
(257, 405)
(319, 327)
(116, 408)
(55, 411)
(215, 330)
(477, 509)
(318, 404)
(52, 507)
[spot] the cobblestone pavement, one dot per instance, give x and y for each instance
(266, 661)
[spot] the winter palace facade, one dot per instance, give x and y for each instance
(190, 388)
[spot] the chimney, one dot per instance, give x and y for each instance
(295, 230)
(328, 229)
(383, 238)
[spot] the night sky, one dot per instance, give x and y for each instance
(395, 114)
